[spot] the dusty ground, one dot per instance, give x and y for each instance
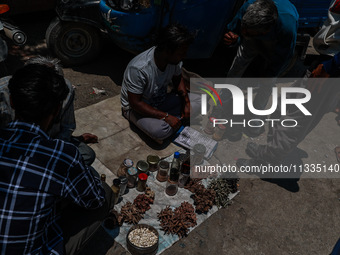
(287, 217)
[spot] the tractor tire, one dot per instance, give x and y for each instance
(74, 43)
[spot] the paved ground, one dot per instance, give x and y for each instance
(286, 217)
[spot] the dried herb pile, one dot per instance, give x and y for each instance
(193, 184)
(178, 221)
(142, 202)
(203, 198)
(222, 188)
(132, 213)
(129, 214)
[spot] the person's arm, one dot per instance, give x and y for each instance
(6, 111)
(81, 186)
(332, 66)
(137, 104)
(179, 85)
(231, 37)
(235, 24)
(86, 138)
(64, 129)
(323, 70)
(284, 48)
(136, 81)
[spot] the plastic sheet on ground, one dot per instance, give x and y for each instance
(160, 202)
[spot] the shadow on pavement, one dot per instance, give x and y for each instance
(290, 184)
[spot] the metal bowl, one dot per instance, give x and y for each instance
(137, 250)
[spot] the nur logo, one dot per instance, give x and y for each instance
(239, 99)
(204, 97)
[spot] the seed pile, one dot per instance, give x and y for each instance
(149, 193)
(143, 237)
(178, 221)
(222, 188)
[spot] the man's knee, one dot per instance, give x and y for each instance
(87, 153)
(160, 131)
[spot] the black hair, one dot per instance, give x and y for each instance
(173, 37)
(36, 90)
(260, 16)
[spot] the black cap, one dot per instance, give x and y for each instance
(116, 182)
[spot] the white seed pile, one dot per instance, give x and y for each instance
(142, 237)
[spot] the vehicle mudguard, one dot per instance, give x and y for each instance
(86, 11)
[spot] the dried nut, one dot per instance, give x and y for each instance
(143, 237)
(149, 193)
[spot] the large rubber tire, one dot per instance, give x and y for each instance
(74, 43)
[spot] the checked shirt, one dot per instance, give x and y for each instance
(35, 173)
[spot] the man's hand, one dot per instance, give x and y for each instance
(89, 138)
(317, 84)
(174, 122)
(230, 38)
(319, 72)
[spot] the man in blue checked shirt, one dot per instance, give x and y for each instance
(39, 176)
(62, 129)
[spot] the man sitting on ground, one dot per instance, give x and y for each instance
(39, 173)
(144, 98)
(64, 127)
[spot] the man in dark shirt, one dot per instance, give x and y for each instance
(36, 171)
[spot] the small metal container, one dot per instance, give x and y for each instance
(126, 164)
(142, 167)
(219, 132)
(103, 177)
(153, 162)
(163, 169)
(199, 151)
(116, 188)
(136, 250)
(209, 128)
(132, 177)
(184, 175)
(171, 188)
(123, 183)
(141, 184)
